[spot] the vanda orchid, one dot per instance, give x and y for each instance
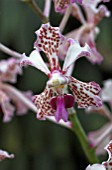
(53, 100)
(99, 138)
(105, 165)
(11, 99)
(108, 163)
(89, 18)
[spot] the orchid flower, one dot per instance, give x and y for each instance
(9, 70)
(88, 31)
(8, 73)
(53, 100)
(105, 165)
(94, 15)
(4, 155)
(108, 163)
(99, 138)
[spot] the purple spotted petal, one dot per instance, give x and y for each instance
(108, 163)
(42, 102)
(86, 94)
(48, 40)
(62, 5)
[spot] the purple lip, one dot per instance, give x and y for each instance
(60, 103)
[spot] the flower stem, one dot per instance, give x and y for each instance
(37, 10)
(78, 130)
(10, 52)
(65, 18)
(47, 8)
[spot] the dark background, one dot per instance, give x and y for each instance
(42, 145)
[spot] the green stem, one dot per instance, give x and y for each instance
(37, 10)
(78, 130)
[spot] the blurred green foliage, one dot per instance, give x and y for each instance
(42, 145)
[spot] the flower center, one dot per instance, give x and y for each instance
(57, 80)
